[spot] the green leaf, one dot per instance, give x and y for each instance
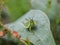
(41, 35)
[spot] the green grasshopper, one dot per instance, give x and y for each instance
(30, 25)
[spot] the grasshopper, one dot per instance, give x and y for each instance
(30, 25)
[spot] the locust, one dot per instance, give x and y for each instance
(30, 25)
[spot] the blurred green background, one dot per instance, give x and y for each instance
(20, 7)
